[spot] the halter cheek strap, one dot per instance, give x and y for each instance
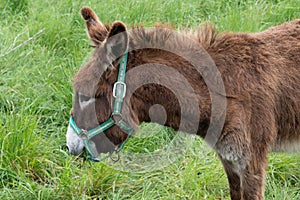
(119, 92)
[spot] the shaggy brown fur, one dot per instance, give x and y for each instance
(261, 75)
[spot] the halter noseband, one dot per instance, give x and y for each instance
(119, 91)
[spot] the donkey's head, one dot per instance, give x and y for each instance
(93, 87)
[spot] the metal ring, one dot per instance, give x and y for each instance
(118, 156)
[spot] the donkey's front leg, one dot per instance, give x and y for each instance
(244, 166)
(233, 179)
(253, 176)
(233, 149)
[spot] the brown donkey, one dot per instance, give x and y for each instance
(260, 73)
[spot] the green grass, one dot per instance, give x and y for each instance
(36, 98)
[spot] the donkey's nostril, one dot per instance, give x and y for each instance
(67, 148)
(64, 147)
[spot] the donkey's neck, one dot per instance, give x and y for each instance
(168, 91)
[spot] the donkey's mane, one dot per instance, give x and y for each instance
(161, 35)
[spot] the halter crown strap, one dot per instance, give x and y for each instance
(119, 89)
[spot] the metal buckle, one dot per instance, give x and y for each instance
(115, 89)
(83, 134)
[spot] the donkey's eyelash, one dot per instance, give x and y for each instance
(92, 46)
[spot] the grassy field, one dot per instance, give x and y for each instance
(43, 43)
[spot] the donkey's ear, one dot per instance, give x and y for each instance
(95, 29)
(117, 41)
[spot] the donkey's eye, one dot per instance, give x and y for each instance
(85, 101)
(83, 98)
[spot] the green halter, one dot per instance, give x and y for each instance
(119, 91)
